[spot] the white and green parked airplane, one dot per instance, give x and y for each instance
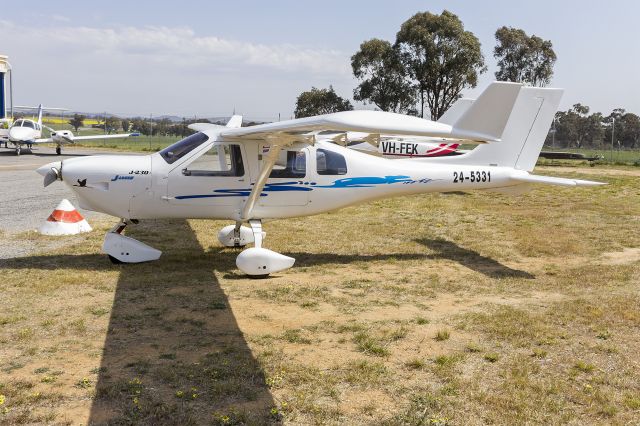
(280, 170)
(26, 132)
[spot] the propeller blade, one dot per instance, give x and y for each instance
(51, 176)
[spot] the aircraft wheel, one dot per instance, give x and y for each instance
(18, 151)
(258, 277)
(114, 260)
(58, 150)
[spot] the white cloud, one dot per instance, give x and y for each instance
(138, 70)
(60, 18)
(178, 46)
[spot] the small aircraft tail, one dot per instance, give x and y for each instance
(234, 122)
(524, 134)
(40, 115)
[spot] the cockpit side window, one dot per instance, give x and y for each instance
(290, 164)
(174, 152)
(330, 163)
(219, 160)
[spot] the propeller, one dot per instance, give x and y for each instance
(52, 176)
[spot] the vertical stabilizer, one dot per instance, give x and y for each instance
(456, 111)
(488, 115)
(524, 134)
(40, 115)
(234, 122)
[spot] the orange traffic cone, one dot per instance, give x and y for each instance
(65, 220)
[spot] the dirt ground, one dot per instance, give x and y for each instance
(438, 309)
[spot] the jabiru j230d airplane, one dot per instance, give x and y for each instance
(29, 132)
(279, 170)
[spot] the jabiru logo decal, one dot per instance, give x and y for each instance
(118, 177)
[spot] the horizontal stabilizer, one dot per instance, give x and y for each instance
(526, 177)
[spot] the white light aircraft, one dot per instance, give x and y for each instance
(394, 146)
(231, 172)
(29, 132)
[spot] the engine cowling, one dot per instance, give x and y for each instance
(62, 136)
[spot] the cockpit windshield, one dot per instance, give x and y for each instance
(27, 123)
(174, 152)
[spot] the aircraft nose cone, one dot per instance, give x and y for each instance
(42, 171)
(19, 134)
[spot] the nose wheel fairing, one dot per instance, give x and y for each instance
(122, 249)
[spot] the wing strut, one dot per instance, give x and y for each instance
(268, 161)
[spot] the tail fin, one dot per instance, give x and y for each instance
(487, 116)
(525, 132)
(456, 111)
(235, 122)
(40, 115)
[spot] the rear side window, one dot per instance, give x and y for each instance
(174, 152)
(290, 164)
(330, 163)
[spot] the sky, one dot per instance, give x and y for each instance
(209, 58)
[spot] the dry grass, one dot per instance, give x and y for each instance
(440, 309)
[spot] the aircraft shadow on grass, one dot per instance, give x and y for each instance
(223, 259)
(173, 352)
(172, 328)
(443, 250)
(471, 259)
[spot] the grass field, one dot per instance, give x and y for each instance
(64, 121)
(438, 309)
(138, 143)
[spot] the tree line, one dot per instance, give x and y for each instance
(576, 128)
(428, 65)
(433, 59)
(144, 126)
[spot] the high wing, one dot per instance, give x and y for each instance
(484, 120)
(372, 122)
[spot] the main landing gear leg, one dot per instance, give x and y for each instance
(258, 262)
(123, 249)
(18, 149)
